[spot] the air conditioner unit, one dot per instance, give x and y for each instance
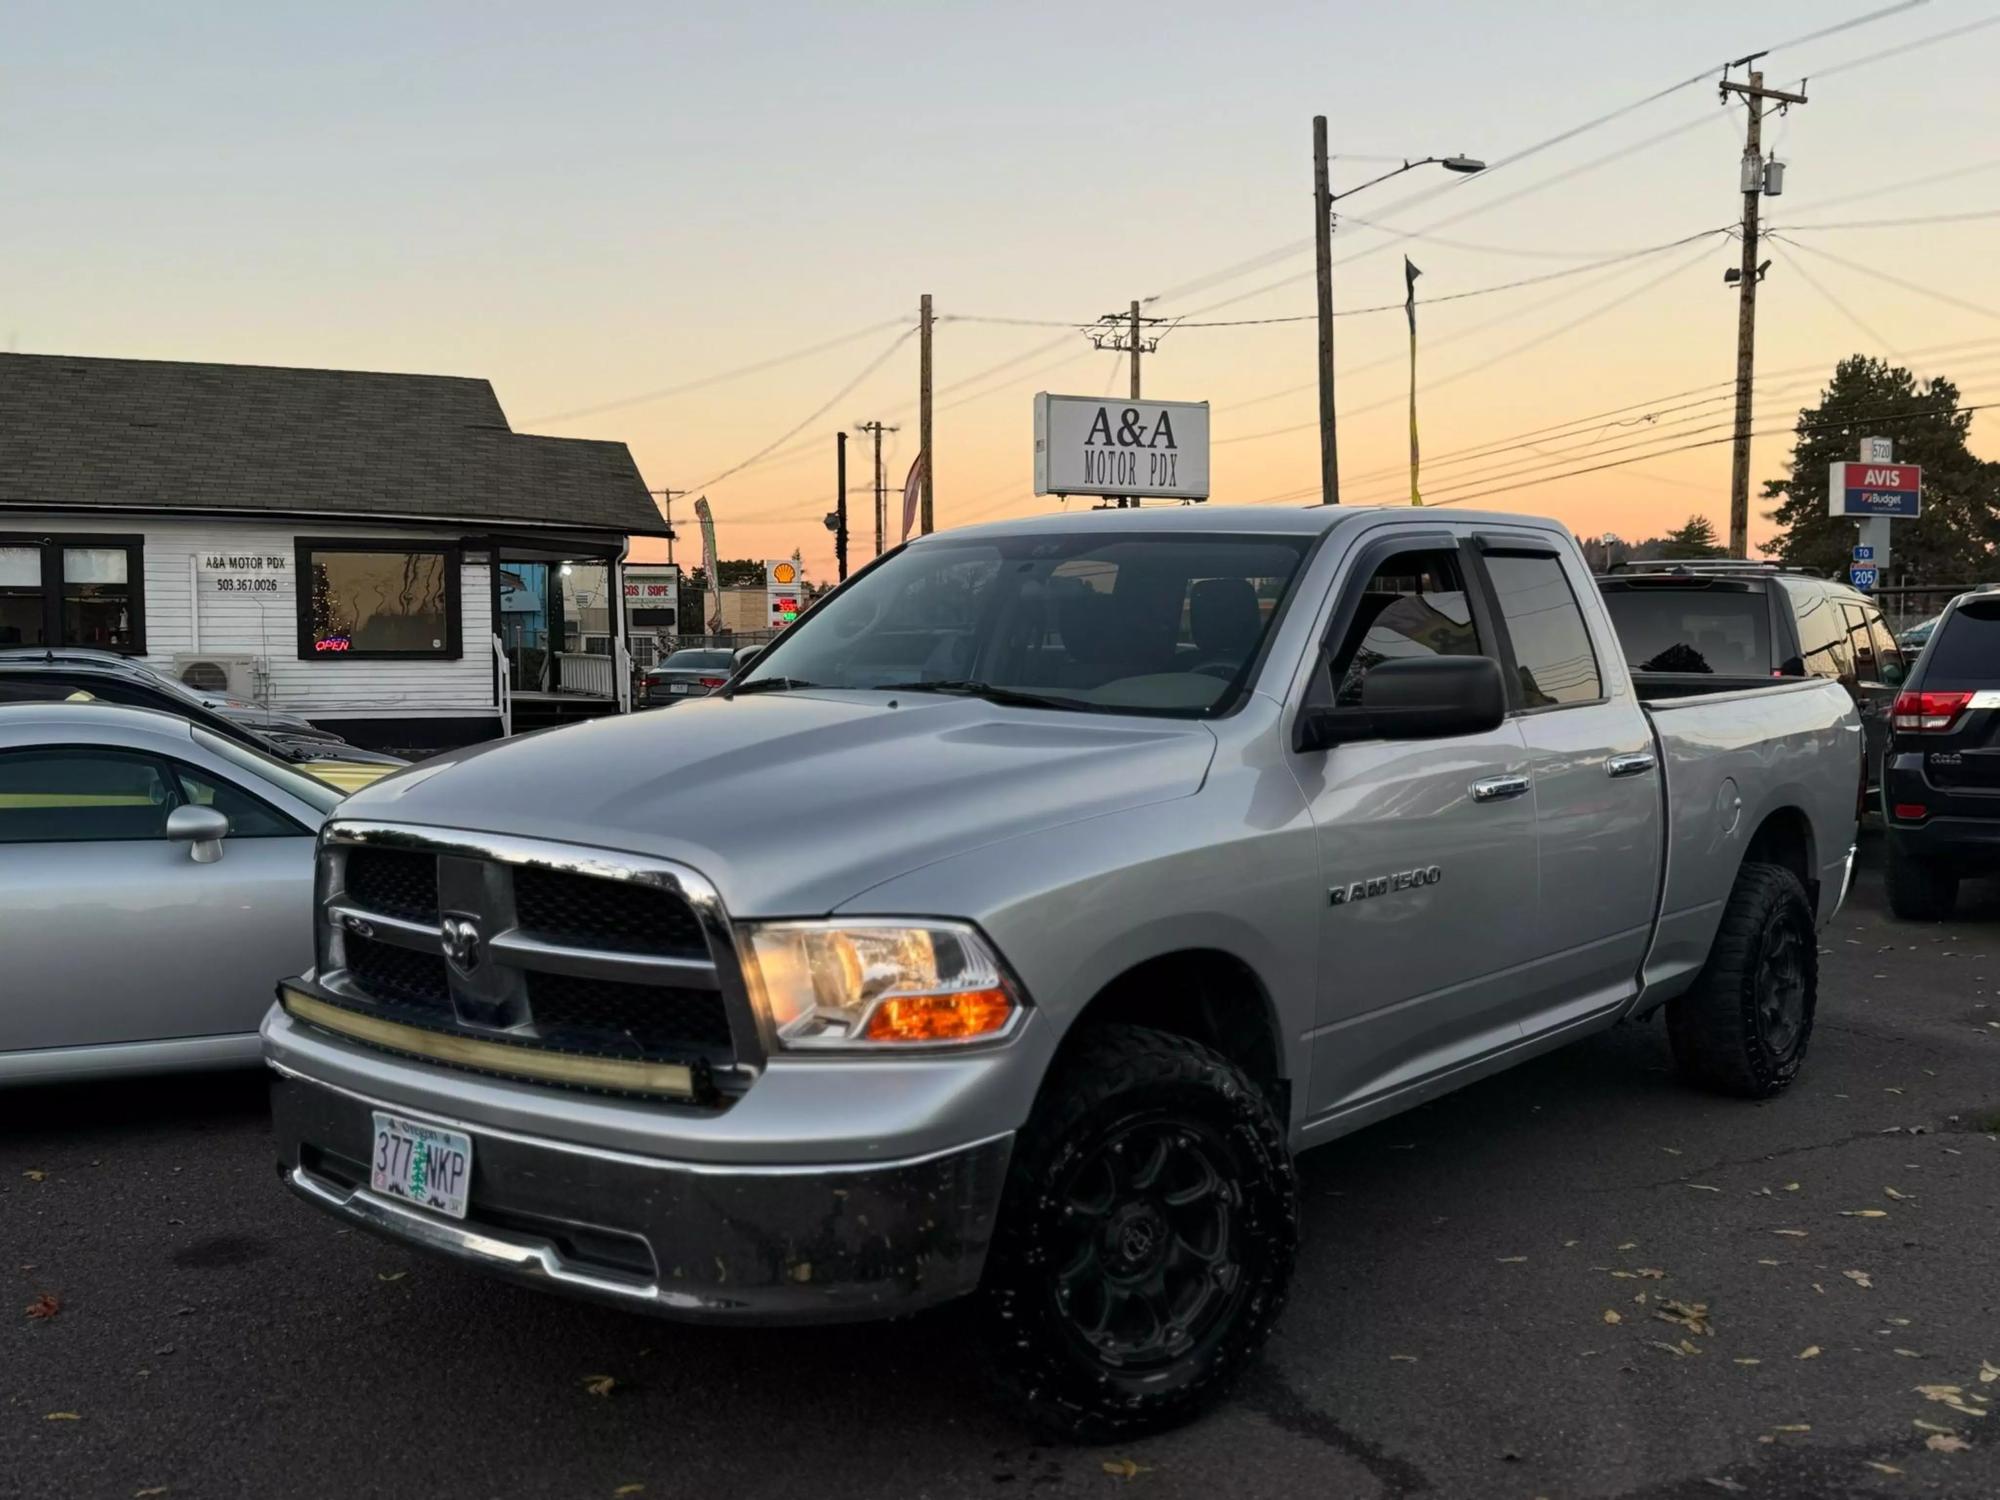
(219, 672)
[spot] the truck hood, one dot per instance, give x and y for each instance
(795, 803)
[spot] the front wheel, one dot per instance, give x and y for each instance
(1146, 1239)
(1743, 1027)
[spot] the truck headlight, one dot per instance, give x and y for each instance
(876, 984)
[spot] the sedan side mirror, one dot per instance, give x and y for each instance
(745, 655)
(202, 829)
(1413, 698)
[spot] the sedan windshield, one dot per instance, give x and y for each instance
(1157, 623)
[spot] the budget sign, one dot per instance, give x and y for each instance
(1087, 446)
(1865, 489)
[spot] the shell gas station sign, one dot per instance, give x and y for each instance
(784, 592)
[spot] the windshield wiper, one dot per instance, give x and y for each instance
(991, 692)
(768, 685)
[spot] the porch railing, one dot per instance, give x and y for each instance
(587, 672)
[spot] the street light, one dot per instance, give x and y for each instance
(1323, 200)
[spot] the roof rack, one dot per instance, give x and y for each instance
(1699, 565)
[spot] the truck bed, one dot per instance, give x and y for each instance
(1733, 758)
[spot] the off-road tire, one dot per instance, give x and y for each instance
(1203, 1121)
(1919, 890)
(1723, 1032)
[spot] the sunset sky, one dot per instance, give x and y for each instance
(593, 204)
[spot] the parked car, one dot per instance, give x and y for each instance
(39, 676)
(1914, 639)
(687, 674)
(1717, 625)
(1941, 796)
(154, 875)
(1007, 925)
(242, 710)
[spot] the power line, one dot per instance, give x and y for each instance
(1893, 280)
(705, 381)
(832, 401)
(1984, 213)
(1838, 306)
(1884, 417)
(1903, 185)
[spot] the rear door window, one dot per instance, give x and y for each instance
(1720, 631)
(1861, 644)
(1552, 651)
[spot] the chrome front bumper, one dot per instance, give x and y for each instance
(694, 1241)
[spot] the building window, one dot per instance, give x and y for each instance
(72, 591)
(370, 600)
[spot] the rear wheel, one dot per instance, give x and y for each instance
(1146, 1239)
(1744, 1026)
(1919, 891)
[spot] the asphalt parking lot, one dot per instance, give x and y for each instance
(1478, 1309)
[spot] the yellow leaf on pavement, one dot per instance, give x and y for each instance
(1793, 1427)
(1946, 1442)
(1748, 1361)
(1403, 1359)
(1899, 1197)
(1702, 1187)
(1883, 1468)
(390, 1275)
(1791, 1234)
(1922, 1425)
(34, 1176)
(1791, 1187)
(629, 1489)
(1864, 1213)
(1859, 1278)
(1611, 1315)
(1629, 1245)
(1513, 1260)
(1123, 1468)
(63, 1416)
(1811, 1351)
(1988, 1372)
(599, 1385)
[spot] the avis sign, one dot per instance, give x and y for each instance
(1873, 489)
(1088, 446)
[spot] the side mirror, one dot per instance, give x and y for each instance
(202, 829)
(1893, 674)
(745, 655)
(1413, 698)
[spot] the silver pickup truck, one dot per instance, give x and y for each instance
(1005, 928)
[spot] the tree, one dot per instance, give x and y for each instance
(1694, 538)
(1958, 535)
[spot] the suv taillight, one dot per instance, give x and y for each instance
(1929, 713)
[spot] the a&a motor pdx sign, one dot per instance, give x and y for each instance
(1088, 446)
(1875, 489)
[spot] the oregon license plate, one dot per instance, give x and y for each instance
(421, 1164)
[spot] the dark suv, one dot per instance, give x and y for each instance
(1941, 796)
(1714, 625)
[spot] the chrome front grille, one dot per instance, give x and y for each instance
(534, 944)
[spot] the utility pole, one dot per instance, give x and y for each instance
(881, 512)
(1132, 340)
(1752, 179)
(924, 455)
(1329, 455)
(837, 522)
(667, 498)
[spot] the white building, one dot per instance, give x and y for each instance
(378, 553)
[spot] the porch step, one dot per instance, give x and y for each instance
(546, 710)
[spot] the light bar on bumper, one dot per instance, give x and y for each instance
(876, 985)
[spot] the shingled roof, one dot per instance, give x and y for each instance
(137, 434)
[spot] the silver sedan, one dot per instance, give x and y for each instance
(155, 880)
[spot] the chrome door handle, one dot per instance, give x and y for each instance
(1636, 764)
(1498, 788)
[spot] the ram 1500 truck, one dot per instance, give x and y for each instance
(1004, 929)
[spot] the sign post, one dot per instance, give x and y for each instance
(1874, 493)
(1124, 450)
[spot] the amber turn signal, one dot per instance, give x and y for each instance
(940, 1018)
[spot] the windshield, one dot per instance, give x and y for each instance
(315, 794)
(1164, 624)
(1693, 630)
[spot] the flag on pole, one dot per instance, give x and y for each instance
(1410, 275)
(913, 489)
(701, 513)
